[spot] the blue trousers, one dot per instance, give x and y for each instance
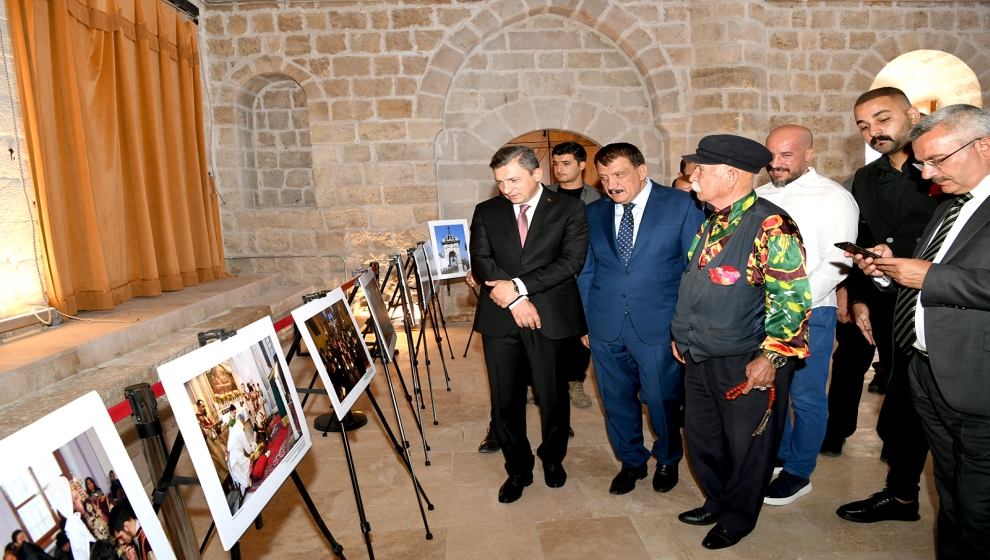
(631, 373)
(803, 436)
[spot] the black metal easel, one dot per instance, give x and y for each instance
(170, 479)
(408, 320)
(380, 351)
(474, 323)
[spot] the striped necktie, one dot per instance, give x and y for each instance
(907, 298)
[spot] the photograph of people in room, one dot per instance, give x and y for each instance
(245, 418)
(339, 346)
(56, 508)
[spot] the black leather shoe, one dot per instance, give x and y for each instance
(554, 475)
(881, 506)
(719, 538)
(832, 448)
(513, 487)
(489, 444)
(698, 516)
(625, 481)
(665, 478)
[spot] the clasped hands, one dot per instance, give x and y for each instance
(909, 273)
(503, 293)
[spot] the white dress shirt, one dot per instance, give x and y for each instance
(826, 213)
(980, 194)
(637, 210)
(516, 208)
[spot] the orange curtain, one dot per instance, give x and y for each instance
(113, 117)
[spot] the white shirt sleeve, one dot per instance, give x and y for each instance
(843, 226)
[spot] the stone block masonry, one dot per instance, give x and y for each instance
(407, 101)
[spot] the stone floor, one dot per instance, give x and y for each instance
(579, 520)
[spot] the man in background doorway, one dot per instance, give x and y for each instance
(569, 160)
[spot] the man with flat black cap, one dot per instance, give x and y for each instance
(741, 322)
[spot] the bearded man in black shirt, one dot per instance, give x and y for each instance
(895, 205)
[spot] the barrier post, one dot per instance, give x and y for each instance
(144, 410)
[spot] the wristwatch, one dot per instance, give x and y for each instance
(776, 360)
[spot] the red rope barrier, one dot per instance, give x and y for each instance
(122, 410)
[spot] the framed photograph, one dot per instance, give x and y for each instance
(238, 411)
(71, 464)
(450, 241)
(335, 343)
(424, 274)
(379, 313)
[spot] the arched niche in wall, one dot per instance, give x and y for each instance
(276, 156)
(931, 79)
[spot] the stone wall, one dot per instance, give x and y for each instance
(20, 266)
(407, 101)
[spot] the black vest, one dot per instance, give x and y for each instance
(713, 320)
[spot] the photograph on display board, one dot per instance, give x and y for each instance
(450, 241)
(379, 313)
(239, 413)
(335, 343)
(70, 490)
(424, 286)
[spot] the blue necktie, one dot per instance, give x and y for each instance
(625, 237)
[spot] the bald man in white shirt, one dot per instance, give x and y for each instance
(826, 214)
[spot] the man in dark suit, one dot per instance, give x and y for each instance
(941, 320)
(527, 245)
(638, 243)
(895, 204)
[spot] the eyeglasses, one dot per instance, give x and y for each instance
(937, 163)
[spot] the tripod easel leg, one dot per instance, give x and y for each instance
(334, 545)
(365, 526)
(426, 358)
(439, 339)
(474, 323)
(443, 321)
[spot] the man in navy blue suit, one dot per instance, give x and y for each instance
(639, 240)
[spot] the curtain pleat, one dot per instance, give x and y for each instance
(112, 106)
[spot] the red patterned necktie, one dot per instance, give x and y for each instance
(523, 224)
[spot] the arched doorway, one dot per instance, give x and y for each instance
(543, 142)
(932, 80)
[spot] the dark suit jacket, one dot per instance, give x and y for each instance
(650, 282)
(556, 246)
(901, 233)
(956, 298)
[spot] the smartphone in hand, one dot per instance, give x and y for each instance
(854, 249)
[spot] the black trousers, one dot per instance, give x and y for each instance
(733, 467)
(575, 359)
(506, 358)
(852, 359)
(898, 425)
(960, 446)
